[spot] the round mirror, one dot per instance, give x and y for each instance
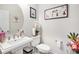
(12, 14)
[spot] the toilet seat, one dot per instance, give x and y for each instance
(43, 48)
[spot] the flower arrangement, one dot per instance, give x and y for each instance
(74, 44)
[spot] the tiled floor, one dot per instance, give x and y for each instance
(34, 51)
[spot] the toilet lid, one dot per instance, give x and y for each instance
(43, 47)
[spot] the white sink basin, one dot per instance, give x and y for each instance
(20, 41)
(12, 41)
(14, 44)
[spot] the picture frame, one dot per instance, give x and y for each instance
(56, 12)
(32, 13)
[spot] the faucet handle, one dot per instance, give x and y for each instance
(22, 33)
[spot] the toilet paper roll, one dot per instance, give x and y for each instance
(33, 31)
(60, 44)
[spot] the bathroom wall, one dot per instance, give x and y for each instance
(14, 11)
(57, 29)
(28, 22)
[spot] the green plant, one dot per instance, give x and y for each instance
(72, 36)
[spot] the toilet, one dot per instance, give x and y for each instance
(43, 48)
(37, 43)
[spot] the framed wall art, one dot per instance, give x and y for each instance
(32, 13)
(56, 12)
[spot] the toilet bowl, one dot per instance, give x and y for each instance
(43, 48)
(40, 47)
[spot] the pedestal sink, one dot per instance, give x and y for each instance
(15, 44)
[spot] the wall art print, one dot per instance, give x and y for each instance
(56, 12)
(32, 13)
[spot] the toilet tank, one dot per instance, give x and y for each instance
(36, 40)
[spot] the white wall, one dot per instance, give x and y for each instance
(28, 22)
(57, 29)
